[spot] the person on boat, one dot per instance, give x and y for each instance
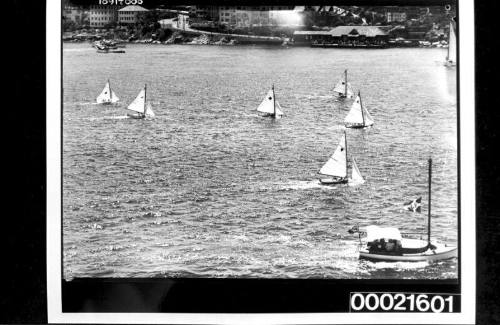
(394, 246)
(378, 245)
(391, 246)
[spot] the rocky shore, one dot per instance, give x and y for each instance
(175, 37)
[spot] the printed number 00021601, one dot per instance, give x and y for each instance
(401, 302)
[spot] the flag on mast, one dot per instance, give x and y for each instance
(414, 206)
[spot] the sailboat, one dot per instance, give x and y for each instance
(451, 56)
(270, 106)
(358, 116)
(388, 245)
(107, 95)
(141, 106)
(343, 88)
(336, 168)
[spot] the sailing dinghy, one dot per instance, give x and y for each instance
(107, 96)
(451, 56)
(270, 106)
(336, 168)
(140, 106)
(388, 245)
(358, 116)
(343, 88)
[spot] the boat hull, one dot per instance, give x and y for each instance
(271, 115)
(110, 51)
(356, 126)
(332, 181)
(136, 116)
(441, 252)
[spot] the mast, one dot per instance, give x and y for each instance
(274, 101)
(145, 90)
(110, 91)
(429, 208)
(345, 88)
(361, 104)
(345, 140)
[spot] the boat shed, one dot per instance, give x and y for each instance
(344, 36)
(307, 37)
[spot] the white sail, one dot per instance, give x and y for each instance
(138, 105)
(279, 113)
(114, 98)
(149, 110)
(107, 95)
(452, 45)
(337, 164)
(267, 104)
(356, 177)
(340, 88)
(355, 116)
(368, 117)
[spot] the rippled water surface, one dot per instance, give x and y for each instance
(210, 189)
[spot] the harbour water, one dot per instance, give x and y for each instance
(210, 189)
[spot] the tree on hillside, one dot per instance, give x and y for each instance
(69, 25)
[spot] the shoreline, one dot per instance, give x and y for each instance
(232, 42)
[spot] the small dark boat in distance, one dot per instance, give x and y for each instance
(110, 51)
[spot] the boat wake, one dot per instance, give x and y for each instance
(122, 117)
(78, 50)
(338, 127)
(354, 183)
(306, 185)
(399, 265)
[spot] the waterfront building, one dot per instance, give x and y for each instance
(75, 14)
(395, 16)
(402, 14)
(246, 16)
(343, 36)
(100, 15)
(130, 14)
(208, 12)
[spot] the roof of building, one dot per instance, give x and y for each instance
(369, 31)
(338, 31)
(133, 8)
(312, 32)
